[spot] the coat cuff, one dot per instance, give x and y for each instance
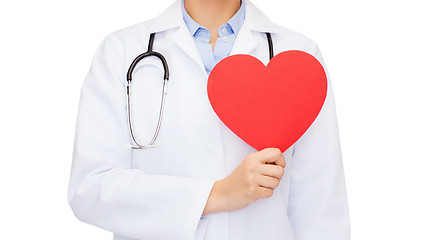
(198, 226)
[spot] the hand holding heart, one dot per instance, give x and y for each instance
(270, 108)
(256, 177)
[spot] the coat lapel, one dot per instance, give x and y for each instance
(255, 21)
(245, 42)
(185, 41)
(172, 18)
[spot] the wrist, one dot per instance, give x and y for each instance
(216, 201)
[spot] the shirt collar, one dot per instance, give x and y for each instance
(235, 22)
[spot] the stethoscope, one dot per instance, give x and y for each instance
(149, 53)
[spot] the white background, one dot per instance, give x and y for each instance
(373, 50)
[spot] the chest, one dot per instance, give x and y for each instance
(192, 140)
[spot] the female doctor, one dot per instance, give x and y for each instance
(199, 180)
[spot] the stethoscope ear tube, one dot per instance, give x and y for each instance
(151, 143)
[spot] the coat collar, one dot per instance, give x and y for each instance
(172, 18)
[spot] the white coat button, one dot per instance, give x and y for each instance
(225, 39)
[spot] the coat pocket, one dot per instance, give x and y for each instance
(201, 227)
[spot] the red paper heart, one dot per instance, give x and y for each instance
(268, 106)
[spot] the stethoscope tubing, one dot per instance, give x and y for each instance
(149, 53)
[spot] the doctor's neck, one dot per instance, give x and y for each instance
(211, 14)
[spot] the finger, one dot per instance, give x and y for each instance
(271, 170)
(268, 155)
(264, 192)
(268, 182)
(281, 161)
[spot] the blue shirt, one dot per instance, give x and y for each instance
(224, 43)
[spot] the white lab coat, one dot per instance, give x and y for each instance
(160, 193)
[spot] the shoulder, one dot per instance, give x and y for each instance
(287, 39)
(134, 32)
(127, 41)
(283, 37)
(118, 49)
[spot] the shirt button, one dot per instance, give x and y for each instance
(225, 39)
(224, 30)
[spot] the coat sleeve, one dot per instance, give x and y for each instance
(317, 207)
(104, 190)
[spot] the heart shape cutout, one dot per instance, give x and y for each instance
(268, 106)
